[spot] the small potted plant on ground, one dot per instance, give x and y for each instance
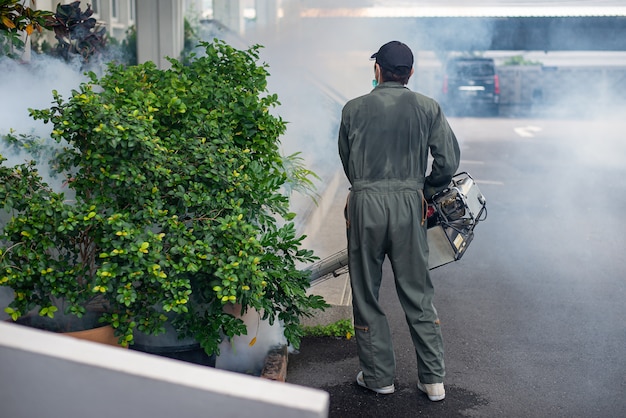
(175, 204)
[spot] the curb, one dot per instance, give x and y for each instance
(275, 367)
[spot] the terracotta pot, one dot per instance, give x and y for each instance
(87, 327)
(102, 335)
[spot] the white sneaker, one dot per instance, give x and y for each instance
(385, 390)
(435, 391)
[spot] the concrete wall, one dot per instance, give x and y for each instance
(528, 87)
(48, 375)
(533, 84)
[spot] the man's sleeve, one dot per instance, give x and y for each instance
(344, 146)
(446, 154)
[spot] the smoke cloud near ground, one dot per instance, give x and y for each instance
(247, 353)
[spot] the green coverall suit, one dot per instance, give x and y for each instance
(384, 141)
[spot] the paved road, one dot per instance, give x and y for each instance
(534, 315)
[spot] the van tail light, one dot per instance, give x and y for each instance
(445, 84)
(496, 84)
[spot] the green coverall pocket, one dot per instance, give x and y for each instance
(361, 328)
(346, 212)
(424, 207)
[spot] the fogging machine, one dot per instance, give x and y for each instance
(451, 219)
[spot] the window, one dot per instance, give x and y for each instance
(114, 9)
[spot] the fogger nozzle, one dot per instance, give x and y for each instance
(452, 217)
(329, 266)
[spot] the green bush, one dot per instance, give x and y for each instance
(520, 60)
(342, 328)
(180, 203)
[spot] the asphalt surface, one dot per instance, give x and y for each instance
(534, 315)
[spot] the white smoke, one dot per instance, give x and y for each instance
(27, 86)
(30, 85)
(247, 353)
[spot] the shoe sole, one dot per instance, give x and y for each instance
(388, 390)
(434, 398)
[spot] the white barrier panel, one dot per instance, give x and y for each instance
(46, 374)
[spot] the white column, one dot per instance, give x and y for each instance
(266, 13)
(160, 31)
(230, 14)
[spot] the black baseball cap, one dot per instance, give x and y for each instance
(394, 56)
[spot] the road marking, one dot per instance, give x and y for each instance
(527, 131)
(493, 182)
(472, 162)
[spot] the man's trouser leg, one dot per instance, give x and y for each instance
(366, 234)
(409, 259)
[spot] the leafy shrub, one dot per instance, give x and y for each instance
(180, 204)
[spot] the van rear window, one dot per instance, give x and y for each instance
(471, 69)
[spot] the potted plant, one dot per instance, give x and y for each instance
(17, 19)
(176, 203)
(77, 32)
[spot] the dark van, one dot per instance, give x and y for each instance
(470, 86)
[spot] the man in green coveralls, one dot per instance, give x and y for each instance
(384, 141)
